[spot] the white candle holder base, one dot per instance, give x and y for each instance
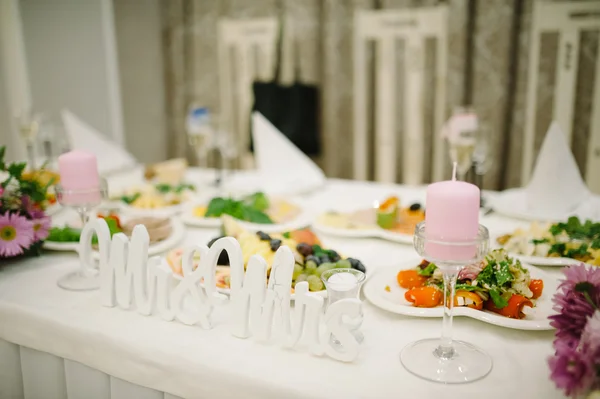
(468, 363)
(77, 281)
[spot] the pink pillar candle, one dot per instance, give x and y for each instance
(452, 215)
(79, 177)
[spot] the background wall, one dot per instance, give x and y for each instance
(72, 60)
(139, 45)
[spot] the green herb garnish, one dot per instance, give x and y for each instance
(498, 299)
(238, 209)
(427, 271)
(129, 199)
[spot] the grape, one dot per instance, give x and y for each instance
(312, 258)
(310, 266)
(275, 244)
(314, 283)
(415, 207)
(334, 256)
(324, 259)
(343, 264)
(304, 249)
(359, 266)
(301, 277)
(298, 270)
(324, 267)
(263, 236)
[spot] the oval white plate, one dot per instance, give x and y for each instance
(174, 239)
(394, 301)
(363, 233)
(545, 261)
(299, 222)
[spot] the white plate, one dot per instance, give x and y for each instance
(394, 301)
(513, 203)
(545, 261)
(166, 211)
(177, 235)
(363, 233)
(227, 291)
(299, 222)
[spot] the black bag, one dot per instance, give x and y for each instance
(294, 109)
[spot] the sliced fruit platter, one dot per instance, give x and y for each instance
(164, 233)
(312, 259)
(499, 290)
(389, 220)
(255, 211)
(555, 244)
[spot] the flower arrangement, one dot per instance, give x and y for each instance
(23, 223)
(575, 367)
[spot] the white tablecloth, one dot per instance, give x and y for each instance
(193, 363)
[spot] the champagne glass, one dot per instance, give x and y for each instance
(227, 145)
(200, 133)
(481, 157)
(82, 201)
(28, 124)
(462, 138)
(443, 359)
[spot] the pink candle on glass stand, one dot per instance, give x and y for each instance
(79, 178)
(452, 215)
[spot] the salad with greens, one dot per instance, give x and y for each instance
(572, 239)
(499, 284)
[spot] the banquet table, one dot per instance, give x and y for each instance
(61, 344)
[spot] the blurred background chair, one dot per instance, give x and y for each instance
(246, 52)
(413, 27)
(568, 20)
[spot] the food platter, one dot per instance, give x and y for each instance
(376, 291)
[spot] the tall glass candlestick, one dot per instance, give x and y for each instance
(444, 359)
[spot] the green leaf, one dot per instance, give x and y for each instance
(216, 207)
(256, 216)
(2, 152)
(163, 188)
(64, 234)
(498, 300)
(184, 186)
(16, 169)
(486, 276)
(258, 201)
(468, 287)
(427, 271)
(503, 274)
(129, 199)
(287, 235)
(584, 286)
(595, 244)
(542, 241)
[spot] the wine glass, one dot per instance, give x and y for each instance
(443, 359)
(200, 132)
(227, 145)
(481, 157)
(28, 124)
(82, 201)
(462, 129)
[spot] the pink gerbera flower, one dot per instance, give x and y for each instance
(41, 227)
(16, 234)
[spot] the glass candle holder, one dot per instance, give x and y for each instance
(443, 359)
(82, 201)
(341, 284)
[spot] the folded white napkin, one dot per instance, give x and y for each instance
(111, 156)
(556, 185)
(281, 167)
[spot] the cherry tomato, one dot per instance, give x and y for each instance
(410, 279)
(475, 301)
(514, 309)
(424, 297)
(536, 286)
